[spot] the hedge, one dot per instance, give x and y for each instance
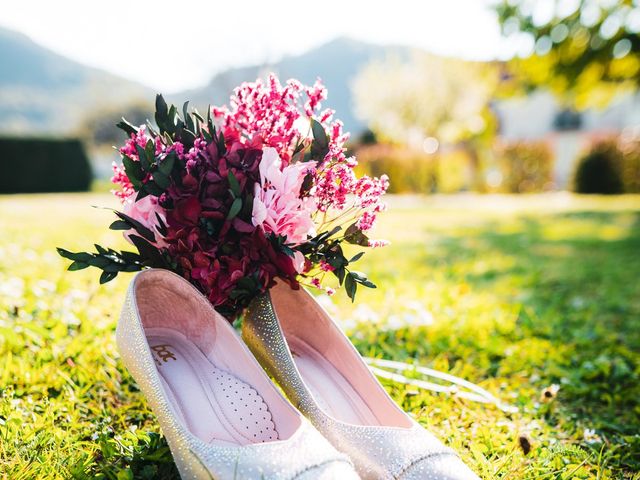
(600, 170)
(31, 165)
(526, 167)
(408, 170)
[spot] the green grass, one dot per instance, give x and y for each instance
(514, 293)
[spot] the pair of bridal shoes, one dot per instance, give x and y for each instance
(222, 416)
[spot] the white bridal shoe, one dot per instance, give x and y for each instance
(222, 416)
(325, 377)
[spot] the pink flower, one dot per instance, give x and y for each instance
(277, 206)
(299, 261)
(325, 267)
(120, 178)
(144, 211)
(378, 243)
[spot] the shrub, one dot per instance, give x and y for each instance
(32, 165)
(630, 150)
(454, 172)
(526, 167)
(600, 170)
(408, 170)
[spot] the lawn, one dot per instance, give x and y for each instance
(535, 298)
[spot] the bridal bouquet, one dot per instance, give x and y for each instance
(257, 191)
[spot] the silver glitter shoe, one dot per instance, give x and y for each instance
(222, 416)
(321, 372)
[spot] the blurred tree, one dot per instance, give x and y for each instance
(407, 102)
(585, 51)
(427, 101)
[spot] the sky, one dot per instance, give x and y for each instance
(175, 45)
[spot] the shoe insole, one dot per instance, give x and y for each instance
(214, 404)
(333, 393)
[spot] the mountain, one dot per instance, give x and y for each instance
(337, 63)
(43, 92)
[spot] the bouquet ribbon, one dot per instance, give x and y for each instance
(392, 370)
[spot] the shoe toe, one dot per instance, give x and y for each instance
(439, 467)
(330, 471)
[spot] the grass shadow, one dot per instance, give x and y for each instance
(577, 277)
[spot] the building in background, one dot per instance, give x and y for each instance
(540, 117)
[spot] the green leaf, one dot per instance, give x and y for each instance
(320, 144)
(210, 127)
(222, 148)
(75, 266)
(368, 284)
(350, 286)
(142, 157)
(236, 206)
(247, 206)
(133, 171)
(187, 137)
(125, 474)
(196, 114)
(141, 194)
(319, 134)
(127, 127)
(107, 260)
(234, 184)
(307, 183)
(161, 116)
(153, 188)
(356, 257)
(354, 235)
(325, 235)
(167, 163)
(171, 120)
(152, 131)
(137, 226)
(362, 279)
(358, 276)
(107, 276)
(188, 119)
(150, 254)
(162, 227)
(119, 225)
(161, 180)
(150, 150)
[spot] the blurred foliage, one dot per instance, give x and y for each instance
(32, 164)
(408, 101)
(455, 170)
(413, 171)
(610, 167)
(630, 150)
(516, 167)
(409, 170)
(98, 128)
(525, 167)
(584, 50)
(517, 294)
